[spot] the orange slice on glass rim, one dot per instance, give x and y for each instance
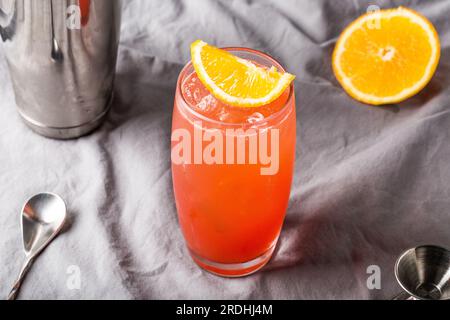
(236, 81)
(387, 56)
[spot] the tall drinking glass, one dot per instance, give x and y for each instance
(232, 172)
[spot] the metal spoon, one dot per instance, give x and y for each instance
(42, 219)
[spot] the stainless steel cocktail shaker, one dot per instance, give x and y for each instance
(62, 57)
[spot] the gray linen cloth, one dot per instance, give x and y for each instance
(369, 181)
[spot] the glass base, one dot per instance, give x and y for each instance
(234, 270)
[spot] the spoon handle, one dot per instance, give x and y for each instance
(25, 268)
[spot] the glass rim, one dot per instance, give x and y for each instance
(279, 113)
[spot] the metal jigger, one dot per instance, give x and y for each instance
(424, 274)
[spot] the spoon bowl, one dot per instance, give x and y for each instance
(42, 218)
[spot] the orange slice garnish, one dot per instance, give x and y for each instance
(236, 81)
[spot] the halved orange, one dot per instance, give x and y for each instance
(387, 56)
(236, 81)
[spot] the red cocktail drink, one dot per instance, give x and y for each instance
(232, 173)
